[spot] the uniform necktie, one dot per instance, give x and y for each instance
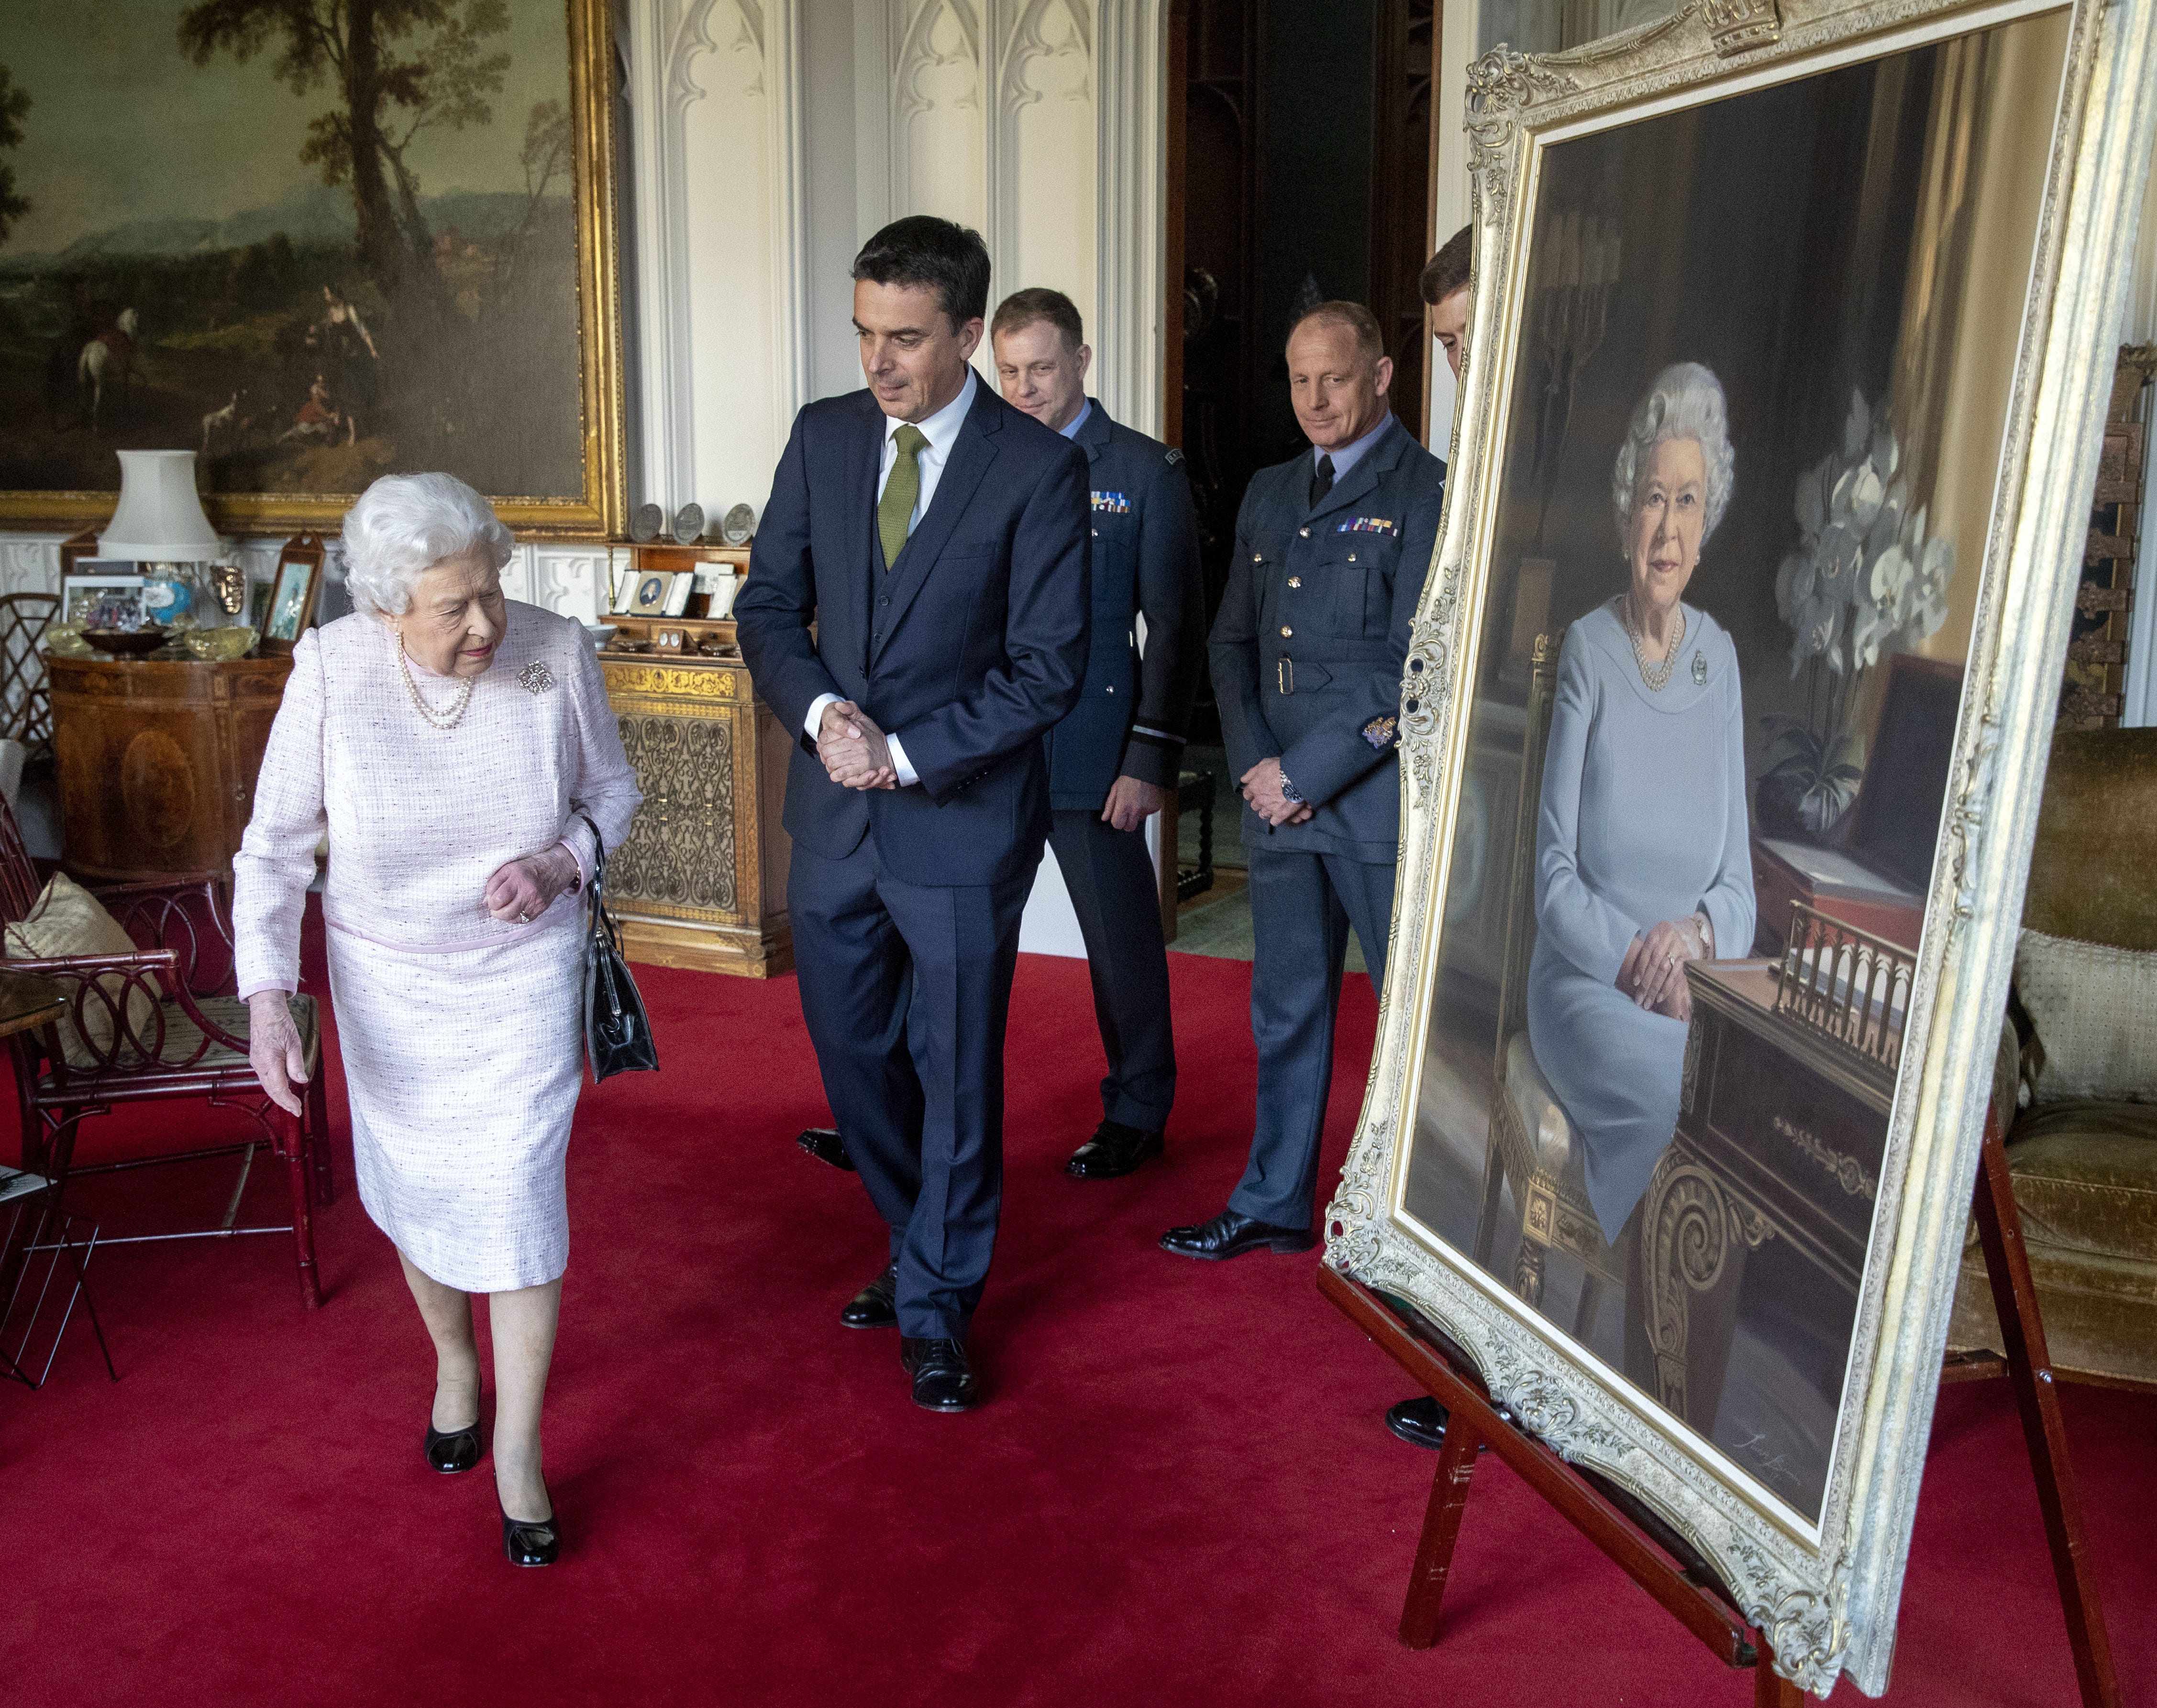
(1321, 481)
(895, 509)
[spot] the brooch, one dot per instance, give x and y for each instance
(535, 678)
(1699, 669)
(1379, 731)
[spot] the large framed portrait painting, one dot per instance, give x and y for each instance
(1723, 730)
(314, 243)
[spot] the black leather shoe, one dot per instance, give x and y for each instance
(530, 1542)
(943, 1379)
(876, 1305)
(1420, 1422)
(825, 1145)
(453, 1450)
(1114, 1151)
(1231, 1234)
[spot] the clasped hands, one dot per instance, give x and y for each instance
(1261, 788)
(518, 892)
(855, 752)
(1653, 972)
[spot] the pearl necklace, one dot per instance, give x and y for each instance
(436, 719)
(1657, 676)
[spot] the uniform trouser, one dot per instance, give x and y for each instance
(1117, 898)
(906, 988)
(1301, 908)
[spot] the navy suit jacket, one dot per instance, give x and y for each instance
(1131, 716)
(967, 649)
(1310, 643)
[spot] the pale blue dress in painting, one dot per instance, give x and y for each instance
(1643, 819)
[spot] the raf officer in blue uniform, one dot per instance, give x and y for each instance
(1331, 550)
(1114, 759)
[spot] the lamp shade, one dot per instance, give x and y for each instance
(159, 518)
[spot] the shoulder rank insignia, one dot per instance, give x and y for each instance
(1173, 457)
(1112, 503)
(1368, 524)
(1379, 731)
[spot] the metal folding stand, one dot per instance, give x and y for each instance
(45, 1265)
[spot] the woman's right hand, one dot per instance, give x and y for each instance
(273, 1050)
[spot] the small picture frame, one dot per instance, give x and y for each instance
(725, 586)
(292, 601)
(677, 594)
(114, 601)
(651, 591)
(624, 602)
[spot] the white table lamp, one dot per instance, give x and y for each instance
(159, 518)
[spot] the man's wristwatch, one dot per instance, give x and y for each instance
(1288, 791)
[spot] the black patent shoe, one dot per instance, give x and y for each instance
(825, 1145)
(1231, 1234)
(1114, 1151)
(1420, 1422)
(876, 1306)
(450, 1451)
(530, 1542)
(943, 1379)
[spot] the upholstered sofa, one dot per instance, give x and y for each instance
(2085, 1168)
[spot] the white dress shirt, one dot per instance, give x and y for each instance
(941, 429)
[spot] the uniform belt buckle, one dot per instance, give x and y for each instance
(1284, 675)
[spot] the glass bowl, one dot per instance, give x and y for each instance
(127, 643)
(222, 645)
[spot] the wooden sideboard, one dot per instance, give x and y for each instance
(158, 760)
(701, 881)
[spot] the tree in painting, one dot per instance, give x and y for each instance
(14, 104)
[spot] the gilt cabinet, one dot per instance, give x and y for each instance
(701, 881)
(157, 761)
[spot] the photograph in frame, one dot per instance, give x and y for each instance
(102, 599)
(291, 601)
(184, 273)
(1748, 391)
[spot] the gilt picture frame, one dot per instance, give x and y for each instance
(209, 264)
(1765, 488)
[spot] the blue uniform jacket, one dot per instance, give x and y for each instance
(1312, 635)
(1133, 713)
(968, 649)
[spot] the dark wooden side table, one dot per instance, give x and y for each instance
(158, 760)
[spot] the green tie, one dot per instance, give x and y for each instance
(895, 509)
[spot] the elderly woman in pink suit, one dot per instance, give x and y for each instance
(459, 752)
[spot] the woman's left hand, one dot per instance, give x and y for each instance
(1658, 970)
(520, 892)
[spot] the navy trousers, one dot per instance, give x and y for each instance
(1302, 906)
(906, 988)
(1117, 898)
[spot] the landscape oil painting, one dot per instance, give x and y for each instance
(313, 242)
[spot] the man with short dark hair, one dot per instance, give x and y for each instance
(937, 540)
(1331, 550)
(1444, 287)
(1114, 760)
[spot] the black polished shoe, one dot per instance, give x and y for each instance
(875, 1306)
(943, 1379)
(825, 1145)
(530, 1542)
(1420, 1422)
(1114, 1151)
(1231, 1234)
(453, 1450)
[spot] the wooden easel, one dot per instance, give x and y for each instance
(1654, 1557)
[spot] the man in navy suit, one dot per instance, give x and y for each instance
(937, 541)
(1332, 548)
(1113, 762)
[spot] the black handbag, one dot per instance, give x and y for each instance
(617, 1035)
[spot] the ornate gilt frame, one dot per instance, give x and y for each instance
(601, 511)
(1824, 1595)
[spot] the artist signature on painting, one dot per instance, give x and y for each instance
(1772, 1466)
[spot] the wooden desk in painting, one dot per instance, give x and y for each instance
(158, 760)
(1783, 1126)
(701, 881)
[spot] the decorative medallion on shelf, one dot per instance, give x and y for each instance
(737, 526)
(645, 523)
(688, 524)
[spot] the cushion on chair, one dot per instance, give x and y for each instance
(67, 920)
(2095, 1011)
(1543, 1117)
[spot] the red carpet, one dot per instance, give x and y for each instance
(1180, 1492)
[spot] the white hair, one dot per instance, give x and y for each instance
(1685, 401)
(403, 525)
